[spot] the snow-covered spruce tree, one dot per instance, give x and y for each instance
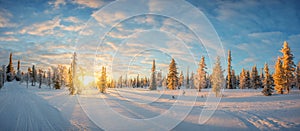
(40, 78)
(278, 77)
(159, 79)
(187, 81)
(201, 75)
(255, 83)
(217, 77)
(181, 80)
(120, 83)
(262, 77)
(267, 82)
(102, 81)
(138, 82)
(298, 76)
(10, 72)
(248, 80)
(288, 66)
(56, 78)
(233, 79)
(228, 77)
(172, 79)
(49, 78)
(192, 82)
(243, 79)
(1, 79)
(73, 79)
(33, 76)
(153, 79)
(28, 76)
(19, 75)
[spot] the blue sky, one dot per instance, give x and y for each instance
(46, 33)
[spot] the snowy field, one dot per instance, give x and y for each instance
(33, 109)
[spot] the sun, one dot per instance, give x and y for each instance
(88, 80)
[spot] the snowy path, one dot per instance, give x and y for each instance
(22, 110)
(31, 108)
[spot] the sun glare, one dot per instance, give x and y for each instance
(88, 80)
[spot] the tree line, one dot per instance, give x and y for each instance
(286, 75)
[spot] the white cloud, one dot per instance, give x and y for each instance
(5, 17)
(72, 27)
(57, 3)
(9, 38)
(41, 29)
(90, 3)
(72, 19)
(265, 34)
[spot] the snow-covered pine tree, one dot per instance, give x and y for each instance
(10, 72)
(267, 82)
(33, 76)
(217, 77)
(278, 77)
(73, 79)
(19, 75)
(28, 76)
(49, 78)
(298, 76)
(172, 79)
(192, 82)
(159, 78)
(288, 66)
(229, 78)
(248, 80)
(102, 81)
(187, 81)
(181, 80)
(40, 78)
(201, 74)
(56, 78)
(233, 79)
(255, 83)
(243, 79)
(153, 79)
(1, 78)
(120, 84)
(262, 77)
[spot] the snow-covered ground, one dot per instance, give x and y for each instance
(31, 108)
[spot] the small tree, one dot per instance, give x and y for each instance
(267, 91)
(153, 79)
(217, 77)
(181, 79)
(172, 76)
(10, 70)
(255, 83)
(187, 82)
(33, 75)
(19, 75)
(278, 77)
(192, 82)
(40, 78)
(102, 81)
(201, 76)
(243, 79)
(298, 76)
(229, 78)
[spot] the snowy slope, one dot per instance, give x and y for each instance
(133, 109)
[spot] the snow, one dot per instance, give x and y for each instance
(31, 108)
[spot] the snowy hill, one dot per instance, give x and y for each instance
(31, 108)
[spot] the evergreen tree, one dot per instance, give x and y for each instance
(40, 78)
(298, 76)
(192, 85)
(56, 78)
(172, 76)
(28, 76)
(288, 66)
(159, 79)
(187, 83)
(49, 78)
(217, 77)
(229, 78)
(181, 79)
(10, 73)
(233, 79)
(73, 79)
(18, 76)
(33, 76)
(138, 83)
(1, 78)
(120, 84)
(102, 81)
(243, 79)
(201, 76)
(262, 77)
(4, 77)
(153, 79)
(278, 77)
(267, 82)
(255, 83)
(248, 82)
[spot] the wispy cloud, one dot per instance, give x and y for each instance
(9, 38)
(57, 3)
(90, 3)
(41, 29)
(5, 17)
